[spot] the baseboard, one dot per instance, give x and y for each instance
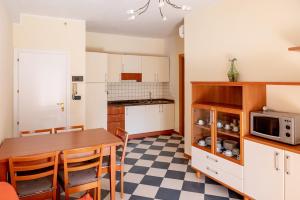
(188, 156)
(150, 134)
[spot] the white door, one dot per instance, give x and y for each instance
(263, 171)
(114, 67)
(42, 81)
(135, 119)
(131, 64)
(167, 117)
(163, 70)
(96, 105)
(96, 67)
(292, 175)
(149, 68)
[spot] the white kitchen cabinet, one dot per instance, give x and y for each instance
(166, 117)
(96, 106)
(149, 118)
(263, 171)
(131, 64)
(155, 69)
(115, 67)
(292, 176)
(96, 67)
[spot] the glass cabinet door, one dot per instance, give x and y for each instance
(228, 135)
(202, 128)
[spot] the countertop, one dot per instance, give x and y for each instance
(140, 102)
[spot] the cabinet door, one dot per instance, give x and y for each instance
(167, 117)
(114, 67)
(263, 171)
(131, 64)
(152, 118)
(163, 69)
(149, 68)
(96, 106)
(292, 176)
(96, 67)
(135, 121)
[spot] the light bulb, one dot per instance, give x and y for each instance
(164, 18)
(186, 8)
(130, 12)
(132, 17)
(161, 4)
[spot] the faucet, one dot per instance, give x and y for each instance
(150, 96)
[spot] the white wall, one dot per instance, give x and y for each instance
(6, 74)
(175, 46)
(47, 33)
(258, 33)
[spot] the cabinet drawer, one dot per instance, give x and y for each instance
(230, 167)
(116, 118)
(114, 110)
(198, 159)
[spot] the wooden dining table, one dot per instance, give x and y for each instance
(32, 145)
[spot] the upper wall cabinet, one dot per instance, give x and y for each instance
(131, 64)
(155, 69)
(115, 67)
(96, 67)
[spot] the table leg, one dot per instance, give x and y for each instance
(3, 171)
(112, 172)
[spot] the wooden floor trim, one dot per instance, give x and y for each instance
(150, 134)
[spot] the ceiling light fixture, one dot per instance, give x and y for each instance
(161, 4)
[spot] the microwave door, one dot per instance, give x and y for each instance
(268, 127)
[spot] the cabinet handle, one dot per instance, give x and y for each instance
(276, 154)
(287, 170)
(213, 171)
(209, 158)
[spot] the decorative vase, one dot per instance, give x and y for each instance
(233, 73)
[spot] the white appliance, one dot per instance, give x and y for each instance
(96, 93)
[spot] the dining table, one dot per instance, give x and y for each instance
(32, 145)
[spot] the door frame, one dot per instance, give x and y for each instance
(17, 51)
(181, 93)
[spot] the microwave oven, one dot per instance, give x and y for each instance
(278, 126)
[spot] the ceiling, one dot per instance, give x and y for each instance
(108, 16)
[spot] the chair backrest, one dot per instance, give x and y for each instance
(123, 135)
(82, 159)
(36, 132)
(27, 168)
(71, 128)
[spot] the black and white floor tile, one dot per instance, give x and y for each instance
(157, 169)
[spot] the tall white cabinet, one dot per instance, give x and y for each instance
(96, 94)
(271, 173)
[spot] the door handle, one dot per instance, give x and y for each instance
(287, 170)
(276, 154)
(62, 106)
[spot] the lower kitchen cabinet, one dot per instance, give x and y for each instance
(149, 118)
(271, 173)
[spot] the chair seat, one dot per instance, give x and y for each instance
(106, 161)
(27, 188)
(79, 177)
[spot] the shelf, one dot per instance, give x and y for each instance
(232, 159)
(221, 106)
(228, 133)
(206, 148)
(206, 127)
(294, 48)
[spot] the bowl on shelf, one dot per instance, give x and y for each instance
(202, 143)
(230, 144)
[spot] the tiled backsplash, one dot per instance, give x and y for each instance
(128, 90)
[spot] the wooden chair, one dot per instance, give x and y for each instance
(36, 132)
(35, 177)
(71, 128)
(82, 173)
(123, 135)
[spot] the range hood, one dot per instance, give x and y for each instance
(131, 77)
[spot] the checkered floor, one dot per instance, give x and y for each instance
(157, 169)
